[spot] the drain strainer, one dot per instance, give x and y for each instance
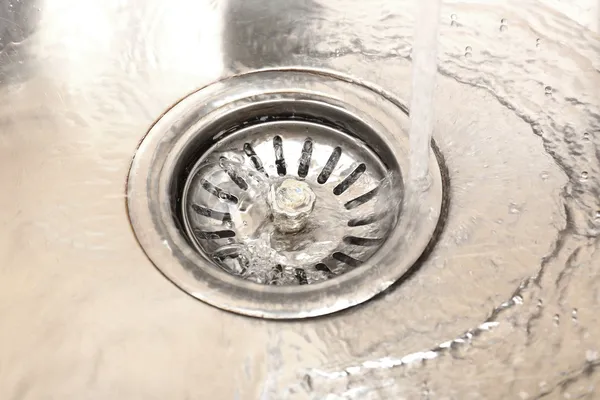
(289, 202)
(281, 194)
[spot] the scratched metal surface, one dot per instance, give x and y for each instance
(505, 306)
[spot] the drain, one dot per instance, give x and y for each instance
(283, 192)
(280, 194)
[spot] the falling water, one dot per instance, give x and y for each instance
(424, 69)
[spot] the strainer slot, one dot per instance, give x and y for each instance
(361, 241)
(362, 221)
(249, 150)
(210, 213)
(238, 180)
(279, 158)
(346, 259)
(332, 162)
(301, 276)
(362, 199)
(218, 192)
(205, 235)
(304, 162)
(350, 179)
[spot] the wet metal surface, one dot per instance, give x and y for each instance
(505, 305)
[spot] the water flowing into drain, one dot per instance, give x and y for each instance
(424, 69)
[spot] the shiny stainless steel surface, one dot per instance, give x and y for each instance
(504, 306)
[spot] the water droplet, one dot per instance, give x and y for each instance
(597, 217)
(514, 208)
(548, 90)
(503, 28)
(544, 175)
(584, 176)
(586, 136)
(468, 49)
(556, 319)
(453, 22)
(540, 303)
(538, 42)
(574, 315)
(468, 55)
(503, 21)
(245, 223)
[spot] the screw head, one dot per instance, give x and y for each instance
(291, 202)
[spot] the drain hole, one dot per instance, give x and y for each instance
(203, 235)
(359, 241)
(350, 179)
(218, 192)
(229, 258)
(324, 268)
(304, 163)
(330, 165)
(365, 221)
(301, 276)
(254, 158)
(346, 259)
(276, 274)
(362, 199)
(223, 163)
(207, 212)
(279, 160)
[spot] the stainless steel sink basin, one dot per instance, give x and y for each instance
(504, 305)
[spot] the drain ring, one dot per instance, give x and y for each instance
(167, 160)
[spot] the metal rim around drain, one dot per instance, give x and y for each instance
(300, 109)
